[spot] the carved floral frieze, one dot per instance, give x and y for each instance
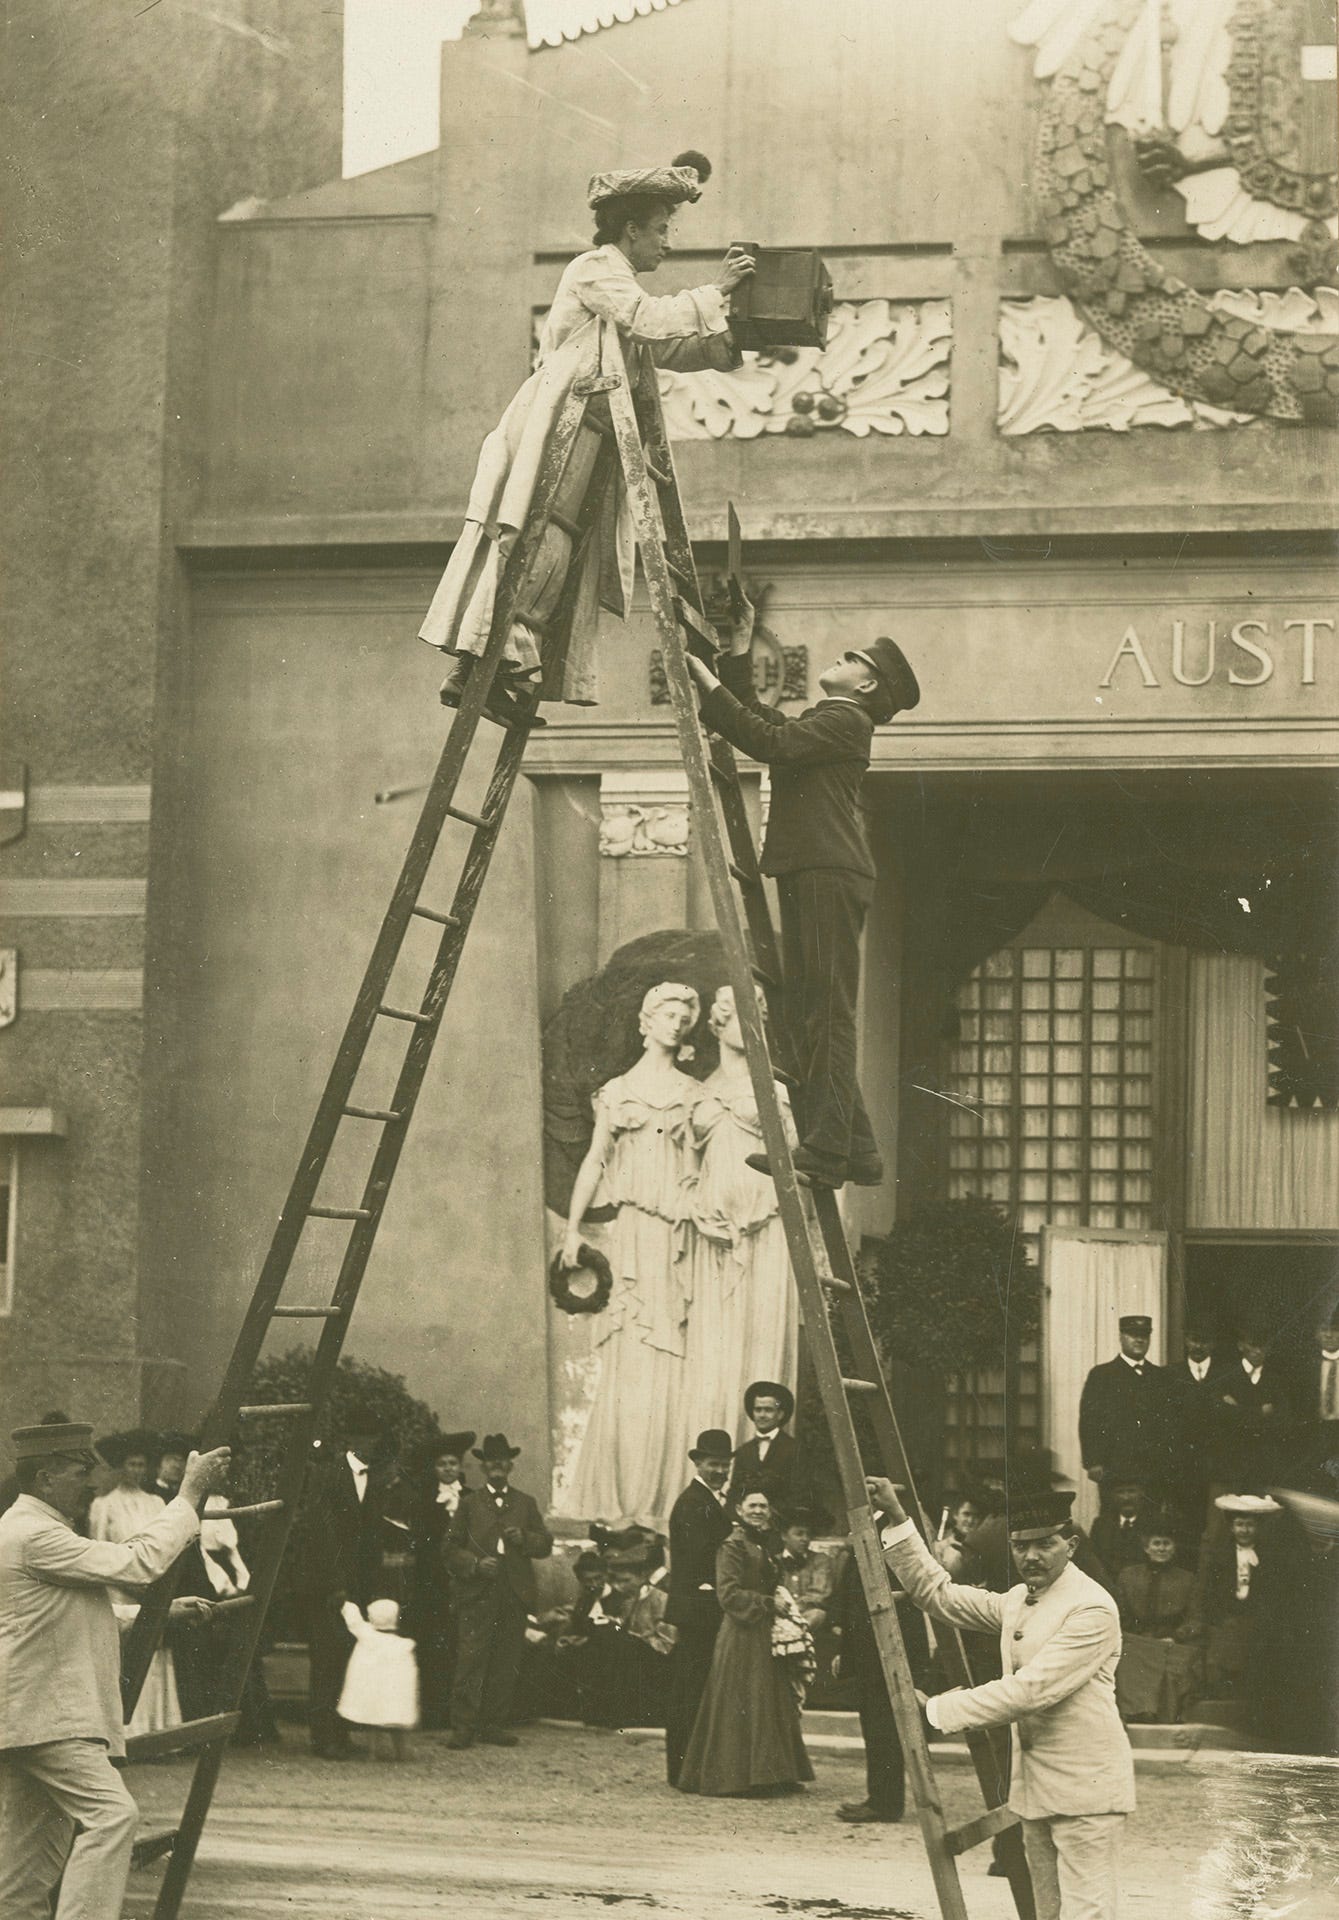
(1057, 373)
(644, 815)
(885, 370)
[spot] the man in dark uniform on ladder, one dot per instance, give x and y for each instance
(815, 848)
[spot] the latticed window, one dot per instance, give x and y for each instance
(1052, 1076)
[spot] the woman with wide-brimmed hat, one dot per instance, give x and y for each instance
(686, 331)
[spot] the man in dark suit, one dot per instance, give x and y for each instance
(496, 1536)
(861, 1668)
(1255, 1406)
(1116, 1534)
(1318, 1398)
(1196, 1381)
(1125, 1413)
(816, 850)
(771, 1462)
(699, 1524)
(338, 1569)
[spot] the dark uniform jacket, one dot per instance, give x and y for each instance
(1125, 1420)
(818, 761)
(1251, 1426)
(699, 1526)
(475, 1535)
(780, 1476)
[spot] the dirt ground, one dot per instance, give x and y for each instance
(574, 1821)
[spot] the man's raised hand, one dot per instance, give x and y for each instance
(883, 1495)
(205, 1473)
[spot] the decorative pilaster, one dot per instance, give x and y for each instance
(643, 854)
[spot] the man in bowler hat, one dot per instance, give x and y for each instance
(815, 848)
(496, 1536)
(698, 1526)
(771, 1462)
(1126, 1413)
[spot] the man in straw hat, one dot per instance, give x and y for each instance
(815, 849)
(497, 1534)
(60, 1695)
(698, 1527)
(1073, 1774)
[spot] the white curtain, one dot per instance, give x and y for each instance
(1089, 1279)
(1251, 1166)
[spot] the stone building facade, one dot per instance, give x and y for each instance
(1072, 442)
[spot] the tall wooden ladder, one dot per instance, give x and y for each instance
(828, 1290)
(825, 1276)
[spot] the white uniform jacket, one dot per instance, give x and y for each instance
(1070, 1751)
(60, 1647)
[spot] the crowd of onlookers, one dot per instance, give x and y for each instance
(418, 1591)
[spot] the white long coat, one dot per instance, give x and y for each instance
(1070, 1751)
(686, 331)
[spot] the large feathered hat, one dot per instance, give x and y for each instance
(683, 179)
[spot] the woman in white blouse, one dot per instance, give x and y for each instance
(685, 331)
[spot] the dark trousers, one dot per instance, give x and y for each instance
(885, 1784)
(685, 1684)
(491, 1640)
(329, 1644)
(822, 917)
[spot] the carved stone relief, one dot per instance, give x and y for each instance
(644, 815)
(885, 369)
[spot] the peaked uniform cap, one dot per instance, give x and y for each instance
(35, 1443)
(1135, 1323)
(894, 671)
(1042, 1514)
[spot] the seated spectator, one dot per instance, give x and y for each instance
(962, 1516)
(1117, 1535)
(550, 1679)
(1161, 1665)
(622, 1663)
(1229, 1565)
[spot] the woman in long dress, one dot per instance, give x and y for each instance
(746, 1738)
(641, 1160)
(686, 331)
(745, 1320)
(116, 1516)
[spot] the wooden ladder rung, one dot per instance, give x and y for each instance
(441, 919)
(838, 1286)
(399, 1013)
(986, 1825)
(306, 1313)
(744, 876)
(696, 623)
(340, 1213)
(788, 1080)
(762, 975)
(276, 1410)
(470, 819)
(859, 1386)
(190, 1735)
(238, 1513)
(373, 1113)
(152, 1844)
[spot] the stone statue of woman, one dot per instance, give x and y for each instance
(745, 1320)
(640, 1161)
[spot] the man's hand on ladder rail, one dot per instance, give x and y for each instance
(701, 673)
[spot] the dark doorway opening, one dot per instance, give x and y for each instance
(1286, 1284)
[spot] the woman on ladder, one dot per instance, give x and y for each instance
(688, 332)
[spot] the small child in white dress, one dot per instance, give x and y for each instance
(380, 1689)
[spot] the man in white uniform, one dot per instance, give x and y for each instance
(1073, 1773)
(60, 1665)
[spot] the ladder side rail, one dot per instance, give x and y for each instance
(818, 1333)
(147, 1630)
(347, 1286)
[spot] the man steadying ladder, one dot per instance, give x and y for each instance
(1073, 1773)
